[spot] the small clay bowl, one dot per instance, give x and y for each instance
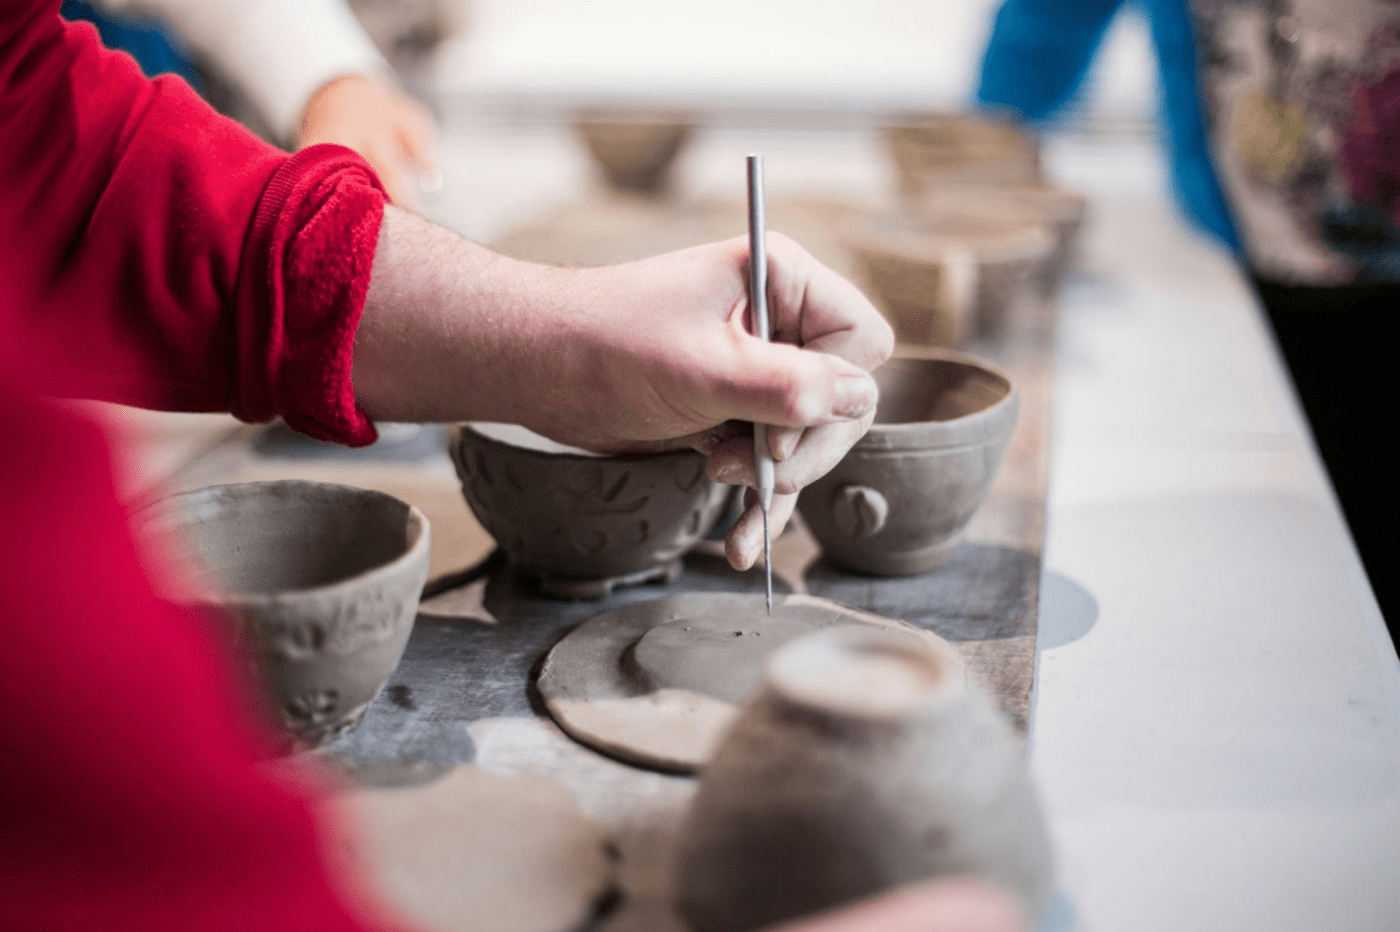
(635, 153)
(865, 762)
(943, 277)
(579, 522)
(898, 502)
(321, 581)
(1062, 211)
(963, 148)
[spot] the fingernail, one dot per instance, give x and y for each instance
(855, 396)
(727, 474)
(784, 443)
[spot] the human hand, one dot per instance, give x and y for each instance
(394, 133)
(696, 377)
(950, 905)
(644, 356)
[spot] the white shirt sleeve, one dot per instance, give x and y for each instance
(277, 52)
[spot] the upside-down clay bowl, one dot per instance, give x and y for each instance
(961, 147)
(321, 582)
(635, 153)
(866, 761)
(579, 522)
(898, 502)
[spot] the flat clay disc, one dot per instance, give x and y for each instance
(656, 683)
(483, 852)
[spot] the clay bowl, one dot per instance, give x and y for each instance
(579, 522)
(322, 584)
(898, 502)
(635, 153)
(960, 147)
(865, 762)
(1061, 211)
(943, 277)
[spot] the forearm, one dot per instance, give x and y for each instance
(453, 331)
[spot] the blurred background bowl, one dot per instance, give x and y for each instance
(635, 152)
(943, 277)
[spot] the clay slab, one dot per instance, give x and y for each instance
(656, 683)
(481, 852)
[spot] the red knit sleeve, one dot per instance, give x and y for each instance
(177, 261)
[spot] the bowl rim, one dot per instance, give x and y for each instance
(165, 512)
(461, 428)
(954, 432)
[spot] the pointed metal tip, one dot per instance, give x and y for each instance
(768, 563)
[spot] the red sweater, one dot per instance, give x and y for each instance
(151, 252)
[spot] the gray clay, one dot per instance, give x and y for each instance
(579, 522)
(866, 762)
(898, 502)
(321, 582)
(483, 852)
(656, 683)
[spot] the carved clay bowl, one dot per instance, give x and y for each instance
(635, 153)
(943, 277)
(321, 582)
(898, 502)
(962, 148)
(579, 522)
(866, 761)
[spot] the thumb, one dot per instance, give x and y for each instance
(781, 384)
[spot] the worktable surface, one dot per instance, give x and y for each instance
(1216, 720)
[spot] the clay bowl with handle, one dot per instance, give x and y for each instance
(866, 761)
(582, 523)
(944, 277)
(320, 581)
(898, 502)
(634, 152)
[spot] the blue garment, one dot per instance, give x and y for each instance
(154, 49)
(1040, 51)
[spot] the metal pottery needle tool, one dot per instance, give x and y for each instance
(758, 302)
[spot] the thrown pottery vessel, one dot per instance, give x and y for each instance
(961, 147)
(635, 153)
(579, 522)
(656, 683)
(898, 502)
(866, 762)
(1061, 211)
(321, 582)
(942, 277)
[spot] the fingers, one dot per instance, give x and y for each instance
(813, 306)
(950, 905)
(782, 385)
(743, 545)
(416, 136)
(729, 449)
